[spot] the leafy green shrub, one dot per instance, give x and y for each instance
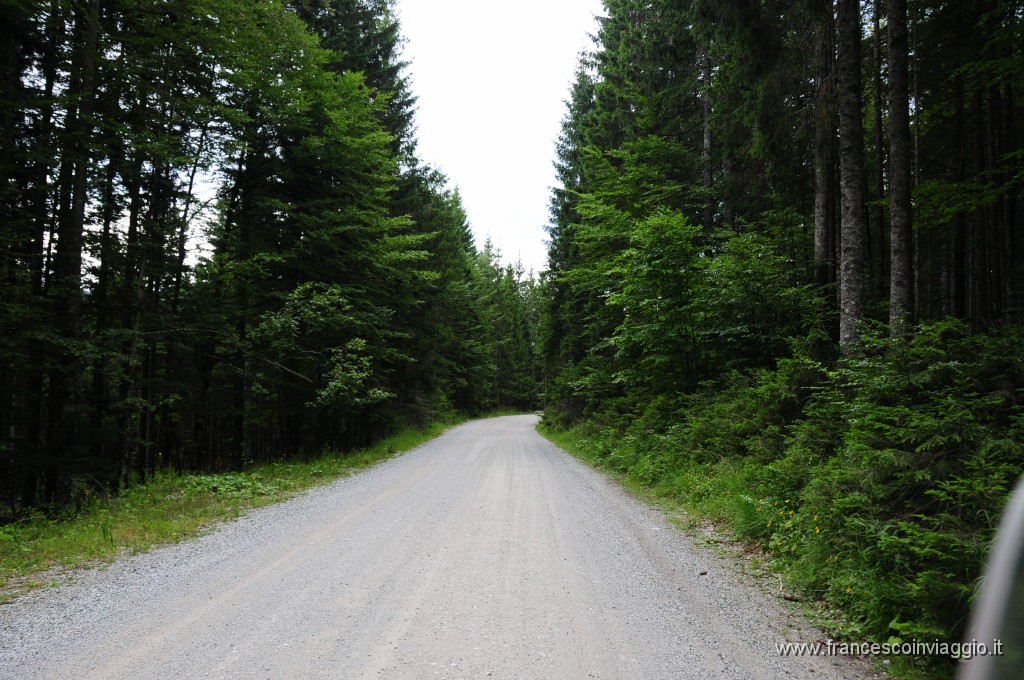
(747, 308)
(231, 485)
(920, 438)
(876, 484)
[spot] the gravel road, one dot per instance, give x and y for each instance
(486, 553)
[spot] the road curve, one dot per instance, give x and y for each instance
(486, 553)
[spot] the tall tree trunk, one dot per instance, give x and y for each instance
(704, 60)
(824, 135)
(1011, 234)
(71, 227)
(45, 162)
(958, 235)
(977, 246)
(101, 302)
(878, 256)
(131, 295)
(851, 172)
(67, 284)
(901, 305)
(994, 217)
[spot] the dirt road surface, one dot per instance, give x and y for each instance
(487, 553)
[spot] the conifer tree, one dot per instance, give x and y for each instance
(853, 224)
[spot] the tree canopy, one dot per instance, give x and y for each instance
(733, 312)
(218, 246)
(785, 264)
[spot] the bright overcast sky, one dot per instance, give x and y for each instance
(491, 81)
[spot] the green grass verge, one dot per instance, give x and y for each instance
(709, 502)
(577, 443)
(38, 550)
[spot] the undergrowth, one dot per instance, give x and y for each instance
(875, 485)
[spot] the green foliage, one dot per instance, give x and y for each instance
(923, 452)
(681, 337)
(746, 308)
(875, 485)
(347, 377)
(656, 339)
(508, 306)
(337, 293)
(231, 485)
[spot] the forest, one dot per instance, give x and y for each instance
(218, 247)
(785, 284)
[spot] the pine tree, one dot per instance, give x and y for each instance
(851, 171)
(901, 284)
(365, 37)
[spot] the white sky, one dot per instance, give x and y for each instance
(491, 81)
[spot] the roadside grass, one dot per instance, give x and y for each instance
(576, 442)
(40, 551)
(705, 521)
(708, 503)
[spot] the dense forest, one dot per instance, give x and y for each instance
(785, 280)
(786, 283)
(218, 247)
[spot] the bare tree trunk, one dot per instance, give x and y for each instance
(851, 172)
(977, 251)
(958, 237)
(824, 133)
(878, 256)
(99, 408)
(67, 277)
(708, 178)
(901, 306)
(1011, 232)
(131, 294)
